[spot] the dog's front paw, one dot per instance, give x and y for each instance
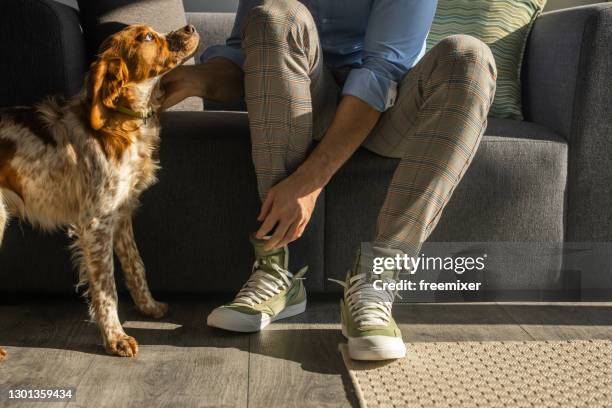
(155, 309)
(2, 354)
(122, 345)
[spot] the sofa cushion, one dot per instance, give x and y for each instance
(514, 191)
(504, 26)
(568, 84)
(208, 188)
(37, 34)
(101, 18)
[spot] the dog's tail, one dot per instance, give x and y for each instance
(3, 217)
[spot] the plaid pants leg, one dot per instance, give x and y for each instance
(435, 128)
(286, 85)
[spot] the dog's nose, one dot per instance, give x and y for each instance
(190, 28)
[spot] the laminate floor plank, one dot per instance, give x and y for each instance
(457, 322)
(296, 362)
(293, 363)
(48, 347)
(563, 321)
(181, 362)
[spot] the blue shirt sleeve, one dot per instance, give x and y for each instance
(232, 48)
(394, 43)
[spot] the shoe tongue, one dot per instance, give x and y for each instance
(365, 261)
(276, 256)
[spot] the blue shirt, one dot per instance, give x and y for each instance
(380, 40)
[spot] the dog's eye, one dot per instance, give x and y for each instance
(148, 37)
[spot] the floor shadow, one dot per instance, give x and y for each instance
(311, 339)
(63, 324)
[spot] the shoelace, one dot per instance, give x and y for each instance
(262, 284)
(367, 305)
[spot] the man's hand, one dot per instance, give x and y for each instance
(290, 203)
(289, 206)
(218, 79)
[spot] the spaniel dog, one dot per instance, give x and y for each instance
(83, 164)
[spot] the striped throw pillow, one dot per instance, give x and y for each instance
(503, 25)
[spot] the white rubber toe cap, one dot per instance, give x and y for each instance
(374, 348)
(233, 320)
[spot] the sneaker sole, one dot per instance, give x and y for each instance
(232, 320)
(393, 349)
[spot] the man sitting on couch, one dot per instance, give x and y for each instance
(345, 74)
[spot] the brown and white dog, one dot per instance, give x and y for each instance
(84, 163)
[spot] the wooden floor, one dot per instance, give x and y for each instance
(294, 363)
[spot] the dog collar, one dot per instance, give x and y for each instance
(140, 115)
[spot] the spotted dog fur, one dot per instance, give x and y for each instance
(83, 163)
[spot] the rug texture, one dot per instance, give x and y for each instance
(488, 374)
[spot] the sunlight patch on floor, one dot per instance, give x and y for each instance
(133, 324)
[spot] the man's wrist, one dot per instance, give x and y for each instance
(317, 172)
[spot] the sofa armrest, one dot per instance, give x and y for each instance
(42, 51)
(567, 86)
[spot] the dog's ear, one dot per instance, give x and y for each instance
(106, 78)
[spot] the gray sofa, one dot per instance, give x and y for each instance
(538, 192)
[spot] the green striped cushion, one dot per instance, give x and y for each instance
(503, 25)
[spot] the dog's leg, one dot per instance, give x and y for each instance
(3, 222)
(133, 268)
(95, 241)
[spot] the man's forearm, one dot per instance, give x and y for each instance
(353, 122)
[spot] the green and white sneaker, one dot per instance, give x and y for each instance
(271, 293)
(366, 312)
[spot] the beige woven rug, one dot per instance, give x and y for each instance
(489, 374)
